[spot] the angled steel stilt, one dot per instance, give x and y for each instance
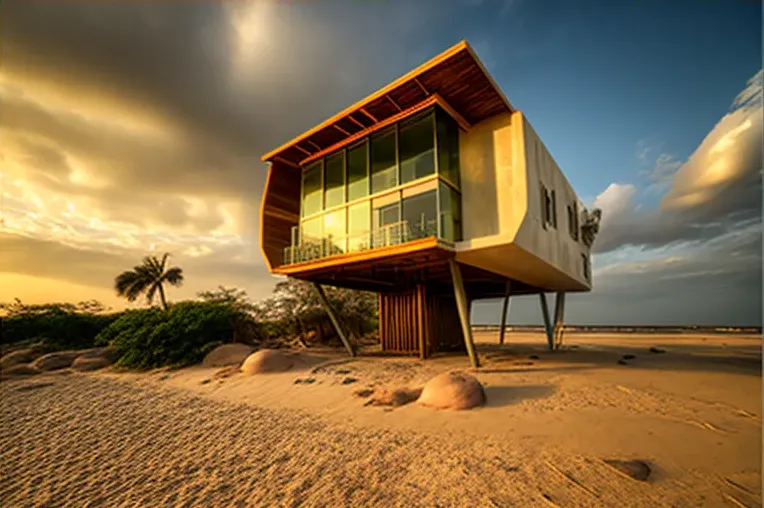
(547, 321)
(333, 318)
(463, 305)
(504, 310)
(559, 316)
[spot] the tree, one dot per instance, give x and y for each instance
(148, 278)
(235, 297)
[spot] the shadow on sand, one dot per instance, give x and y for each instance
(497, 396)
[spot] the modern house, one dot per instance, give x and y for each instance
(433, 192)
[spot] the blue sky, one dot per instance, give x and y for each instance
(132, 127)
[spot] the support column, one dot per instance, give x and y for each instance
(463, 306)
(504, 310)
(333, 318)
(547, 322)
(559, 316)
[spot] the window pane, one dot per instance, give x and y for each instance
(448, 147)
(387, 229)
(335, 180)
(359, 226)
(311, 189)
(334, 231)
(384, 174)
(358, 172)
(416, 146)
(450, 213)
(420, 213)
(311, 231)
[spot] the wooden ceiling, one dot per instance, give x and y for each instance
(456, 75)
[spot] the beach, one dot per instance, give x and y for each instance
(691, 410)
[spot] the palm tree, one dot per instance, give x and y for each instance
(148, 278)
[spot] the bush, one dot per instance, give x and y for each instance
(57, 326)
(180, 336)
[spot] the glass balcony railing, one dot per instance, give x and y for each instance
(391, 234)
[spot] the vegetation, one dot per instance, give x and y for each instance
(148, 279)
(182, 333)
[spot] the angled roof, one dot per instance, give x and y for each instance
(456, 75)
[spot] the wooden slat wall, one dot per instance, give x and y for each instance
(419, 322)
(280, 211)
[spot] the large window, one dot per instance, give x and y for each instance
(311, 231)
(416, 143)
(450, 213)
(358, 171)
(420, 213)
(387, 228)
(312, 189)
(335, 232)
(448, 147)
(334, 180)
(384, 170)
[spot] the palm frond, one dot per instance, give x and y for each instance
(151, 292)
(131, 284)
(173, 276)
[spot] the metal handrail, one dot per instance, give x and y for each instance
(385, 236)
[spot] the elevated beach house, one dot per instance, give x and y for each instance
(433, 192)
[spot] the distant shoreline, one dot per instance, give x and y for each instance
(726, 330)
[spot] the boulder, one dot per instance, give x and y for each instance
(108, 353)
(267, 360)
(394, 397)
(20, 370)
(19, 356)
(55, 361)
(452, 390)
(88, 363)
(636, 469)
(227, 354)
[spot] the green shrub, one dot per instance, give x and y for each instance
(182, 335)
(56, 326)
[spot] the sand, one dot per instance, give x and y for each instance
(186, 437)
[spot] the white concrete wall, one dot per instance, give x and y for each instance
(503, 162)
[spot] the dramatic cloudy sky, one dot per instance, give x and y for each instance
(128, 128)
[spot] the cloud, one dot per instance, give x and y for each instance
(716, 190)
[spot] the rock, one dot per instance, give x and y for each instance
(55, 361)
(343, 371)
(205, 381)
(636, 469)
(304, 381)
(622, 362)
(19, 356)
(88, 363)
(628, 357)
(21, 370)
(395, 397)
(363, 393)
(266, 361)
(533, 357)
(349, 380)
(108, 353)
(657, 350)
(227, 354)
(453, 390)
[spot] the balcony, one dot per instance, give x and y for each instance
(391, 234)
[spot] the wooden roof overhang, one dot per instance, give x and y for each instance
(400, 267)
(456, 80)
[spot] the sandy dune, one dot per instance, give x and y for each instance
(188, 438)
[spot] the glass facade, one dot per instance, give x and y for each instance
(395, 186)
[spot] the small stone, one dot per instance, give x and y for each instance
(622, 362)
(636, 469)
(349, 380)
(657, 350)
(533, 357)
(628, 357)
(363, 393)
(204, 381)
(343, 371)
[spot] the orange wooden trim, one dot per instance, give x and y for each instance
(432, 100)
(262, 217)
(394, 103)
(421, 86)
(346, 133)
(358, 257)
(359, 124)
(371, 117)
